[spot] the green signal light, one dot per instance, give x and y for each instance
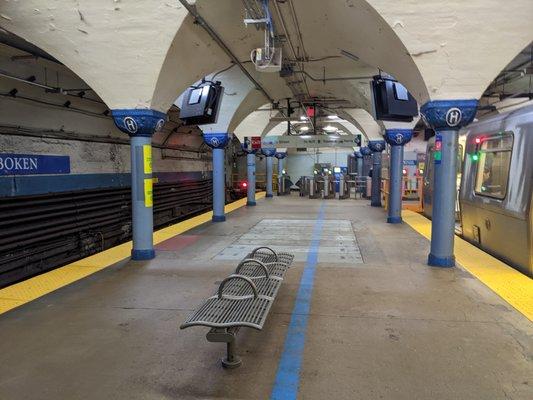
(475, 157)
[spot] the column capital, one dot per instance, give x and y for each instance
(398, 137)
(217, 140)
(139, 122)
(280, 155)
(449, 114)
(358, 154)
(376, 146)
(365, 151)
(268, 152)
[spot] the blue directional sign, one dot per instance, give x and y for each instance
(32, 164)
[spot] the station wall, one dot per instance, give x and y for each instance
(35, 121)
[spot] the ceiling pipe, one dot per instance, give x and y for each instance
(348, 78)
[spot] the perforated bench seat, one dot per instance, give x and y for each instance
(231, 312)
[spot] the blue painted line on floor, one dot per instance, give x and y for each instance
(288, 374)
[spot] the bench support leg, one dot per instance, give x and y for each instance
(227, 336)
(231, 360)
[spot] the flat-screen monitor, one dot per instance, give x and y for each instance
(392, 101)
(201, 103)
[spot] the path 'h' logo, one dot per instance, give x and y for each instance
(215, 142)
(130, 124)
(454, 116)
(399, 138)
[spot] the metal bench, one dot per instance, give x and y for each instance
(243, 299)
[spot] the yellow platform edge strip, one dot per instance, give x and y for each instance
(23, 292)
(511, 285)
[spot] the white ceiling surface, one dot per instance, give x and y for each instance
(438, 51)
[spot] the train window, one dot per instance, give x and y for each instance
(493, 166)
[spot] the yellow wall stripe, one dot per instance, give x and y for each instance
(33, 288)
(512, 286)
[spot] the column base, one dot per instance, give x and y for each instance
(443, 262)
(140, 255)
(375, 204)
(394, 220)
(269, 195)
(251, 203)
(219, 218)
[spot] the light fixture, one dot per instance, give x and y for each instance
(330, 128)
(304, 128)
(305, 136)
(332, 116)
(303, 117)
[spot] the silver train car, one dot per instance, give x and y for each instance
(495, 197)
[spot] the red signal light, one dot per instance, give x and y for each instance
(404, 171)
(478, 140)
(244, 184)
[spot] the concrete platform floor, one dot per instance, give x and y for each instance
(387, 328)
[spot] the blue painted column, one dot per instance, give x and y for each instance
(269, 153)
(280, 156)
(359, 158)
(365, 152)
(396, 138)
(446, 117)
(140, 125)
(250, 170)
(218, 141)
(376, 146)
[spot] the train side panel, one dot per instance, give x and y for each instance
(496, 189)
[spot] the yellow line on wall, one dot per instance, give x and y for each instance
(511, 285)
(33, 288)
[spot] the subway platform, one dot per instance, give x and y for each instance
(381, 324)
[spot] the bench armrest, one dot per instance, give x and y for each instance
(235, 276)
(252, 261)
(266, 248)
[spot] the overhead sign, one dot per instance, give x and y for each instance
(312, 141)
(256, 142)
(252, 142)
(32, 164)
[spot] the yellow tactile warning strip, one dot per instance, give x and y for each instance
(512, 286)
(33, 288)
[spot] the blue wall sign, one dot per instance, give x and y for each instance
(409, 162)
(32, 164)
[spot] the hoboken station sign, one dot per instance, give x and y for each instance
(33, 164)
